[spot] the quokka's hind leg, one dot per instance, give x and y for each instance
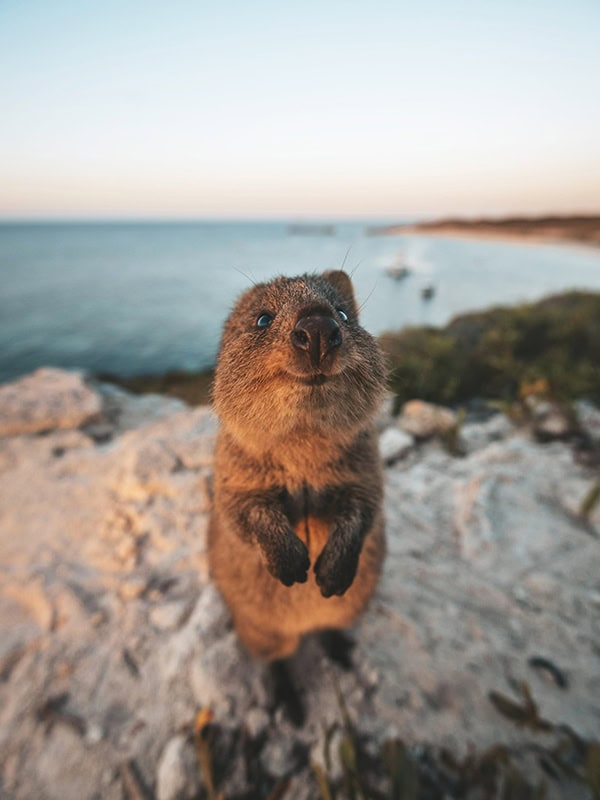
(266, 645)
(338, 646)
(286, 694)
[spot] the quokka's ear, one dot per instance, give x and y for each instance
(340, 280)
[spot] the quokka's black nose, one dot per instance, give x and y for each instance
(318, 335)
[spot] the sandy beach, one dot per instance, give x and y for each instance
(583, 230)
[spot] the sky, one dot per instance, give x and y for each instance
(239, 109)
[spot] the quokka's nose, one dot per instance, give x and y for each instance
(318, 335)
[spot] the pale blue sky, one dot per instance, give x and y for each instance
(262, 109)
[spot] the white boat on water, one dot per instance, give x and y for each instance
(398, 272)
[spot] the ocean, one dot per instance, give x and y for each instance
(146, 297)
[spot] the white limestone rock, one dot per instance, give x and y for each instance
(177, 776)
(588, 417)
(106, 602)
(394, 444)
(477, 435)
(45, 400)
(424, 420)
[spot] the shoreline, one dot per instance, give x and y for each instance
(505, 238)
(583, 231)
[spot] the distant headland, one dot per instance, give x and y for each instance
(582, 229)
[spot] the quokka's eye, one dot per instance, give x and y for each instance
(342, 314)
(264, 320)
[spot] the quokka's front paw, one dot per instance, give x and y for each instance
(287, 558)
(335, 568)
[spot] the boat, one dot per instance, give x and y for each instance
(310, 229)
(399, 272)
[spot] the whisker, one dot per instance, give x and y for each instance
(345, 257)
(356, 267)
(368, 297)
(245, 275)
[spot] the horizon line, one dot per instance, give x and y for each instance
(400, 218)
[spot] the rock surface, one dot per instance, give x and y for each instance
(424, 420)
(476, 435)
(47, 399)
(588, 417)
(177, 777)
(112, 637)
(549, 421)
(394, 444)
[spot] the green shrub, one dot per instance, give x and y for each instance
(491, 354)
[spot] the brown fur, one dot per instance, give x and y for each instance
(297, 476)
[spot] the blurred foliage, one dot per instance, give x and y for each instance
(524, 714)
(590, 501)
(202, 744)
(502, 354)
(593, 768)
(192, 387)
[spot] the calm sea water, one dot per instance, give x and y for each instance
(137, 298)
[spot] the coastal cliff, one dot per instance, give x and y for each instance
(483, 633)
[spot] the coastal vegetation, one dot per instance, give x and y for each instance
(500, 353)
(191, 387)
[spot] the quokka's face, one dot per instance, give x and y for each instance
(296, 344)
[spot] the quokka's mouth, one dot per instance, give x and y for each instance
(318, 379)
(313, 380)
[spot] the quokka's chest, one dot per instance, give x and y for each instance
(311, 514)
(309, 503)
